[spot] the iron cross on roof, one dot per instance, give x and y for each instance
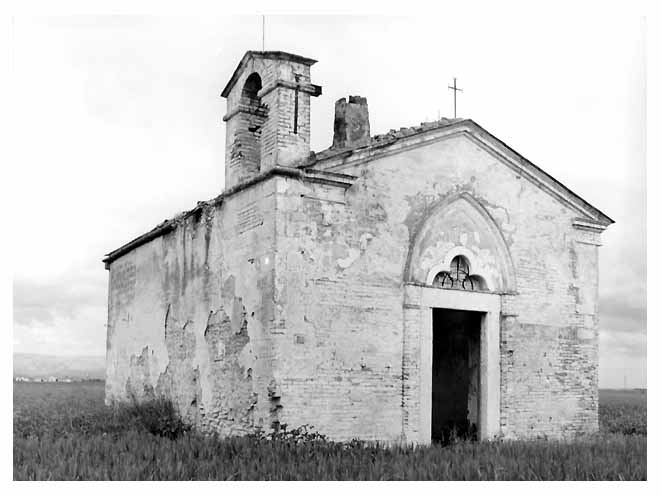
(455, 89)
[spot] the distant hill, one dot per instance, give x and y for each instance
(36, 366)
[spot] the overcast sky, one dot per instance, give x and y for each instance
(120, 127)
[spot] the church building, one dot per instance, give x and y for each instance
(403, 287)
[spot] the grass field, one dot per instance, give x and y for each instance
(64, 432)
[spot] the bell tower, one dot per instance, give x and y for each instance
(268, 114)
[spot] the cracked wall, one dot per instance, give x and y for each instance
(189, 316)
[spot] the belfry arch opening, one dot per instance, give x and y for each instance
(249, 95)
(256, 115)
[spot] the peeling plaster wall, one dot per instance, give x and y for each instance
(346, 365)
(340, 305)
(190, 314)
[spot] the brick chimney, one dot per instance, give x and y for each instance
(352, 123)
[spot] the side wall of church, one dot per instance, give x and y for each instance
(190, 313)
(347, 365)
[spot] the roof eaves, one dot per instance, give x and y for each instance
(163, 228)
(323, 177)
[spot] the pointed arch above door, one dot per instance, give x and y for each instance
(461, 226)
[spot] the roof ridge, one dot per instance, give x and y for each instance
(379, 139)
(407, 131)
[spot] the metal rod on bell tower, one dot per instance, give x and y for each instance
(263, 29)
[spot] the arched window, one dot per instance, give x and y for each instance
(459, 277)
(250, 89)
(256, 111)
(246, 148)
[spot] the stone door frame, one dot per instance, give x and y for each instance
(425, 299)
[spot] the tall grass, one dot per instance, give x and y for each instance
(93, 442)
(76, 414)
(623, 412)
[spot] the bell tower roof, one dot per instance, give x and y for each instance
(275, 55)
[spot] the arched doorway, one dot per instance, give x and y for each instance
(458, 268)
